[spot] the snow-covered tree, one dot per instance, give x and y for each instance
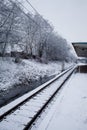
(31, 33)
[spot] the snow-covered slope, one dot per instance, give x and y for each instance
(19, 78)
(11, 73)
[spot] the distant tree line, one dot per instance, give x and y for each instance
(29, 36)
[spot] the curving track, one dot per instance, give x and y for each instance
(20, 114)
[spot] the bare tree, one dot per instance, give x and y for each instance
(31, 33)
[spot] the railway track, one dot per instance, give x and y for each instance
(21, 113)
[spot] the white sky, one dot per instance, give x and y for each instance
(69, 17)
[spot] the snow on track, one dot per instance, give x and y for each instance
(24, 113)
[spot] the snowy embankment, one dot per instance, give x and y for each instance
(18, 78)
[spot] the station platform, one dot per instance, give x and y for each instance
(69, 112)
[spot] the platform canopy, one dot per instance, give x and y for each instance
(80, 48)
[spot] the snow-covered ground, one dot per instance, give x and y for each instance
(69, 111)
(12, 73)
(19, 78)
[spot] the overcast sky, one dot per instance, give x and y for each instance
(69, 17)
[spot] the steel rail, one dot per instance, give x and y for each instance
(28, 126)
(35, 92)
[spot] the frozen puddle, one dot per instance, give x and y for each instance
(69, 112)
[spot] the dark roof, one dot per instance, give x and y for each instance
(79, 43)
(80, 48)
